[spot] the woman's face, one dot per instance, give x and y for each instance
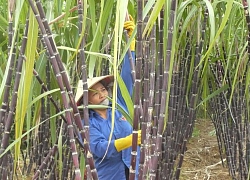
(97, 94)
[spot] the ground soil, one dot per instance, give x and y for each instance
(202, 159)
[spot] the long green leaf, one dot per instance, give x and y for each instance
(24, 94)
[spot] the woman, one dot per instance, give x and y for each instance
(112, 159)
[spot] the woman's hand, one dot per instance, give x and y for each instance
(124, 143)
(130, 26)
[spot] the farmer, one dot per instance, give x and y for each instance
(114, 163)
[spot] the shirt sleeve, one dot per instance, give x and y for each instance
(99, 144)
(126, 76)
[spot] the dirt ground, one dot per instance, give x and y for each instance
(202, 159)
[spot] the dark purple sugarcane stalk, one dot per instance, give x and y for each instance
(131, 61)
(194, 93)
(40, 133)
(158, 91)
(159, 74)
(61, 86)
(215, 116)
(50, 162)
(168, 155)
(43, 133)
(66, 166)
(232, 131)
(244, 119)
(5, 101)
(137, 89)
(191, 111)
(226, 135)
(167, 170)
(182, 84)
(11, 5)
(64, 77)
(145, 159)
(85, 129)
(145, 92)
(175, 86)
(242, 132)
(223, 122)
(246, 11)
(60, 65)
(166, 79)
(237, 136)
(227, 113)
(11, 112)
(175, 107)
(51, 153)
(48, 114)
(132, 65)
(45, 89)
(181, 123)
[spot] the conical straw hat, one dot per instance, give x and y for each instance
(91, 82)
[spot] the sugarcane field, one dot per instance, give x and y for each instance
(124, 90)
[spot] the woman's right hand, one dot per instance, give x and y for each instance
(130, 26)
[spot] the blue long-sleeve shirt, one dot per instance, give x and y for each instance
(112, 166)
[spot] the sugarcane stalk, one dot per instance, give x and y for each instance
(194, 91)
(137, 89)
(145, 102)
(51, 153)
(66, 82)
(5, 104)
(11, 112)
(246, 11)
(66, 166)
(148, 120)
(85, 129)
(158, 91)
(181, 105)
(215, 118)
(230, 129)
(164, 98)
(58, 74)
(148, 87)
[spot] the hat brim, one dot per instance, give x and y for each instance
(105, 80)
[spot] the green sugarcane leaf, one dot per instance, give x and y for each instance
(222, 26)
(156, 10)
(214, 94)
(211, 19)
(96, 42)
(242, 60)
(125, 114)
(186, 23)
(82, 164)
(3, 24)
(60, 151)
(118, 107)
(42, 96)
(126, 96)
(24, 92)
